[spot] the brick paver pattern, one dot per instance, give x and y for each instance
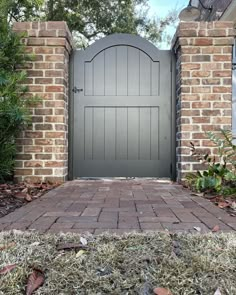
(119, 206)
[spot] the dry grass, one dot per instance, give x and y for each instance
(131, 264)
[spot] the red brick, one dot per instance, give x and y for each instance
(43, 112)
(33, 149)
(55, 88)
(55, 58)
(43, 171)
(44, 65)
(43, 141)
(203, 41)
(44, 50)
(54, 164)
(23, 172)
(43, 81)
(151, 226)
(33, 88)
(222, 89)
(43, 126)
(33, 164)
(56, 25)
(223, 57)
(55, 134)
(43, 156)
(21, 26)
(33, 134)
(47, 33)
(201, 73)
(54, 73)
(98, 225)
(201, 105)
(191, 66)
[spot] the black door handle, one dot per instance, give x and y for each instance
(76, 89)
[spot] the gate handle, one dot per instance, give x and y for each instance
(76, 89)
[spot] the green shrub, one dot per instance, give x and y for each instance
(14, 106)
(220, 173)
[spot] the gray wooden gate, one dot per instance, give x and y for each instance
(122, 117)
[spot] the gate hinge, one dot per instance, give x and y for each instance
(76, 89)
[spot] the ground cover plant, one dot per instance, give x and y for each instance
(108, 264)
(219, 176)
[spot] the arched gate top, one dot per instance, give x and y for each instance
(122, 39)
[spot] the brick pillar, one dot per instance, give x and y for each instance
(43, 148)
(204, 86)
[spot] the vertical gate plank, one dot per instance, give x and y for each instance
(121, 134)
(133, 71)
(98, 134)
(145, 133)
(155, 78)
(122, 70)
(133, 133)
(110, 71)
(155, 133)
(110, 133)
(145, 74)
(98, 74)
(88, 79)
(88, 134)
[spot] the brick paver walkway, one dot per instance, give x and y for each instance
(118, 206)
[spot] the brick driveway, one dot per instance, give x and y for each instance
(118, 206)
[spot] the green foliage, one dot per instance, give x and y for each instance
(20, 10)
(14, 112)
(220, 176)
(92, 19)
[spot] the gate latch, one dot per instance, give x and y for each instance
(76, 89)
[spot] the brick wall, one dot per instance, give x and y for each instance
(204, 86)
(43, 148)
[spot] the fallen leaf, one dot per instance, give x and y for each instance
(20, 195)
(7, 269)
(233, 206)
(70, 246)
(217, 292)
(80, 253)
(215, 229)
(25, 190)
(28, 198)
(83, 241)
(35, 280)
(7, 246)
(197, 194)
(162, 291)
(197, 228)
(223, 205)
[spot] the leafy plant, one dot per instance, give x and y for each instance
(220, 175)
(14, 106)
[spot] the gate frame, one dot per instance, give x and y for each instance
(71, 114)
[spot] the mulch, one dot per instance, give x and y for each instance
(13, 196)
(228, 203)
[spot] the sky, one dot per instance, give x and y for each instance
(161, 8)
